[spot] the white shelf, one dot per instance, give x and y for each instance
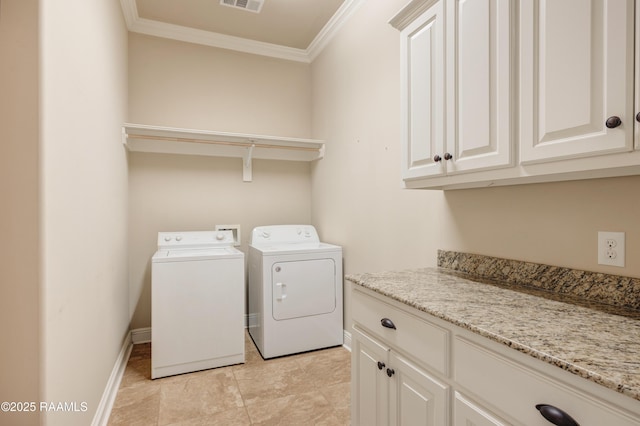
(168, 140)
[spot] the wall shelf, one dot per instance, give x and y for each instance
(169, 140)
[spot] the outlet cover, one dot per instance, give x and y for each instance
(611, 248)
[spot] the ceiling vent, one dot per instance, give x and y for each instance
(248, 5)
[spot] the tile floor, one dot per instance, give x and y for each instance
(305, 389)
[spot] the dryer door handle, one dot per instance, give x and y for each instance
(283, 291)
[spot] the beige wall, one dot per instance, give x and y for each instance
(555, 223)
(357, 198)
(184, 85)
(84, 195)
(19, 253)
(182, 193)
(179, 84)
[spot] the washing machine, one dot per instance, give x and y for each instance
(295, 290)
(197, 302)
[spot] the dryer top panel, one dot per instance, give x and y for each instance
(297, 249)
(283, 234)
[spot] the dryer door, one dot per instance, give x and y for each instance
(303, 288)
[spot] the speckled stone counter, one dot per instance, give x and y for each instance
(595, 340)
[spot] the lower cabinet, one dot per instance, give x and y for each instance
(369, 383)
(388, 389)
(410, 368)
(518, 390)
(466, 413)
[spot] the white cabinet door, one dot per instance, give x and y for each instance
(422, 82)
(369, 382)
(415, 397)
(466, 413)
(576, 71)
(479, 106)
(477, 35)
(387, 389)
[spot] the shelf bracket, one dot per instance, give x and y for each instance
(246, 163)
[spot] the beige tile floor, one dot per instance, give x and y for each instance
(305, 389)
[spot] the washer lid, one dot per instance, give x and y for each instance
(190, 254)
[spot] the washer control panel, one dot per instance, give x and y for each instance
(289, 234)
(194, 239)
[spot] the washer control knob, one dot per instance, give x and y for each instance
(178, 238)
(219, 236)
(167, 238)
(266, 234)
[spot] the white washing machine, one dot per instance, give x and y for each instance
(295, 290)
(197, 302)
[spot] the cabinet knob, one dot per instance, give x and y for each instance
(447, 156)
(387, 323)
(638, 116)
(556, 416)
(390, 372)
(437, 158)
(380, 365)
(613, 122)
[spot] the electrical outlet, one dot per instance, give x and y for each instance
(611, 248)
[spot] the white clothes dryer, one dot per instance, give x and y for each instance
(197, 302)
(295, 290)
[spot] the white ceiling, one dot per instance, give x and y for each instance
(287, 29)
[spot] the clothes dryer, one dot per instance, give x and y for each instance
(295, 290)
(197, 302)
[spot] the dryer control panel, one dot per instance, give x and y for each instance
(284, 234)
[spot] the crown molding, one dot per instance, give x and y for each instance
(409, 13)
(332, 27)
(191, 35)
(129, 11)
(208, 38)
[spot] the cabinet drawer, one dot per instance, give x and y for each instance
(423, 340)
(517, 389)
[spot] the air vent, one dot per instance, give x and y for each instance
(248, 5)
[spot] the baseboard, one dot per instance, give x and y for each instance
(141, 335)
(251, 320)
(101, 417)
(347, 340)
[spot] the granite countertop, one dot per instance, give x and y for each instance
(599, 343)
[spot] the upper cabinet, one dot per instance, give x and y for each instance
(497, 92)
(576, 78)
(479, 76)
(456, 88)
(422, 52)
